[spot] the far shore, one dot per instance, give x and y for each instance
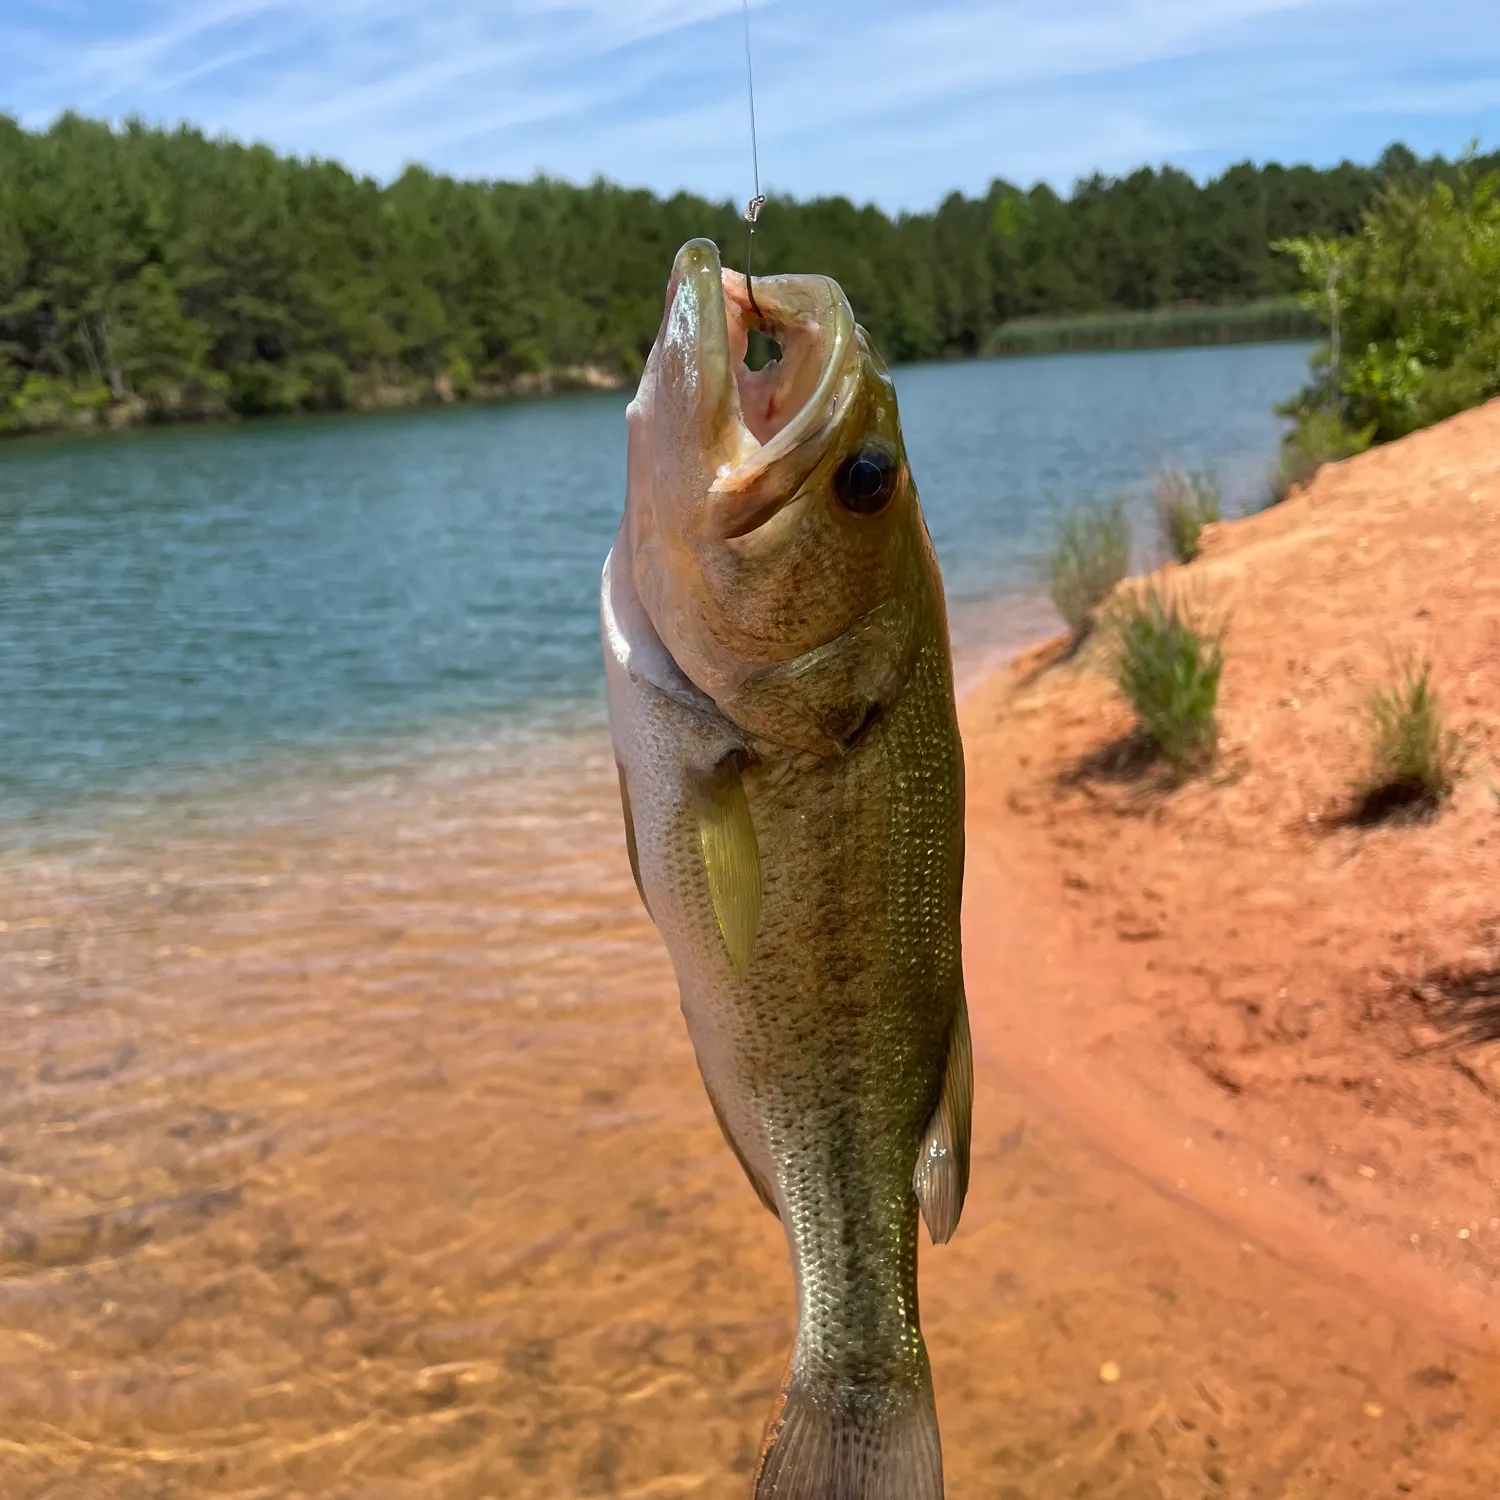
(85, 414)
(371, 398)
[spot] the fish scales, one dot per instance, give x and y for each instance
(794, 812)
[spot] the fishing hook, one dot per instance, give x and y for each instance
(758, 202)
(752, 213)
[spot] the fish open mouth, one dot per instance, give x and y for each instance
(803, 333)
(768, 427)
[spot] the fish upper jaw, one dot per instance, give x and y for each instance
(749, 438)
(724, 463)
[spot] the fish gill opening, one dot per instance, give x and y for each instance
(778, 362)
(760, 350)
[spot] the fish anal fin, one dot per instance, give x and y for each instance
(731, 860)
(630, 845)
(763, 1189)
(852, 1445)
(942, 1175)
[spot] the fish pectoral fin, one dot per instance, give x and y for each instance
(731, 860)
(942, 1175)
(630, 844)
(763, 1189)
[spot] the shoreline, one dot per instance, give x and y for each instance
(1269, 320)
(1168, 1144)
(1152, 928)
(135, 416)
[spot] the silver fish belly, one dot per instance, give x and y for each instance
(810, 906)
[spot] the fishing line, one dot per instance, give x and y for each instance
(758, 202)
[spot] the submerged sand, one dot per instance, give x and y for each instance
(359, 1151)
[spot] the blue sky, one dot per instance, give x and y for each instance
(893, 101)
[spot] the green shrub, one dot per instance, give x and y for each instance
(1090, 555)
(1319, 437)
(1185, 504)
(90, 398)
(259, 388)
(41, 402)
(198, 397)
(1415, 758)
(321, 382)
(529, 356)
(1166, 660)
(311, 382)
(1411, 303)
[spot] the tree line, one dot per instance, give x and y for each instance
(161, 273)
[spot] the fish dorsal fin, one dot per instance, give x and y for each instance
(942, 1175)
(731, 860)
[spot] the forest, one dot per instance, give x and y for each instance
(150, 274)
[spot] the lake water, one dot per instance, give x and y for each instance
(351, 1144)
(184, 613)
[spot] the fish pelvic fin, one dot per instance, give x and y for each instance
(832, 1444)
(942, 1176)
(731, 860)
(631, 847)
(763, 1189)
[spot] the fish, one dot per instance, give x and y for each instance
(781, 708)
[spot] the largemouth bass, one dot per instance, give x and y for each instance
(781, 706)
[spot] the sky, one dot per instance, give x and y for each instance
(897, 102)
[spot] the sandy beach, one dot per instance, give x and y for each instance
(1291, 1005)
(361, 1153)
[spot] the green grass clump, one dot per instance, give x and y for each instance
(1319, 438)
(1167, 660)
(1090, 555)
(1415, 758)
(1185, 504)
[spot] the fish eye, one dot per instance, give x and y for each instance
(866, 480)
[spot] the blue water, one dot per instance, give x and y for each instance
(186, 602)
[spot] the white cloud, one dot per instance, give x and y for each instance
(890, 99)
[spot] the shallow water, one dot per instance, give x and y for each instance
(365, 1155)
(350, 1142)
(181, 611)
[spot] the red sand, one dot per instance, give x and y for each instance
(1229, 979)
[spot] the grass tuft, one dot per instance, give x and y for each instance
(1090, 555)
(1185, 504)
(1166, 660)
(1415, 758)
(1318, 438)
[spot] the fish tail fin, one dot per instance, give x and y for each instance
(852, 1445)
